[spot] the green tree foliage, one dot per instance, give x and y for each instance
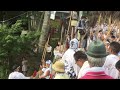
(14, 45)
(55, 23)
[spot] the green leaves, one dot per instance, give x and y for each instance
(14, 45)
(55, 23)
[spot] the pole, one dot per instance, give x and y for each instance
(69, 22)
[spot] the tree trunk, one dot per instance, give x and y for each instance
(40, 22)
(44, 31)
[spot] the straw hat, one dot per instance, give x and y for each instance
(58, 66)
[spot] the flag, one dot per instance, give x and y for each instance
(109, 26)
(99, 19)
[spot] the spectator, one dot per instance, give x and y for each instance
(111, 60)
(81, 61)
(16, 74)
(96, 57)
(59, 69)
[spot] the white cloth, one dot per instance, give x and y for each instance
(74, 44)
(96, 69)
(48, 62)
(94, 37)
(119, 53)
(68, 56)
(57, 53)
(24, 62)
(109, 66)
(47, 69)
(105, 28)
(52, 16)
(43, 69)
(88, 41)
(83, 69)
(17, 75)
(24, 68)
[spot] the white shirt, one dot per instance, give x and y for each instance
(57, 53)
(105, 28)
(83, 69)
(47, 69)
(24, 68)
(17, 75)
(109, 66)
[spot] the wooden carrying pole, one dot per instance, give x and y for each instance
(69, 22)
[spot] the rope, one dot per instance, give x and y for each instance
(13, 17)
(44, 52)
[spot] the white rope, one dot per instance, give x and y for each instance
(13, 17)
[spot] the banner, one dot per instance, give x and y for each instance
(52, 16)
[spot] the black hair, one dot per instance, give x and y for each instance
(115, 46)
(100, 31)
(113, 36)
(117, 65)
(93, 31)
(108, 40)
(15, 67)
(80, 55)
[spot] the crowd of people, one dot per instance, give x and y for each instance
(94, 55)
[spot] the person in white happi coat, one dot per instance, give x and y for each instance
(70, 66)
(111, 60)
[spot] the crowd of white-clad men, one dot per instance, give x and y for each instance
(97, 58)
